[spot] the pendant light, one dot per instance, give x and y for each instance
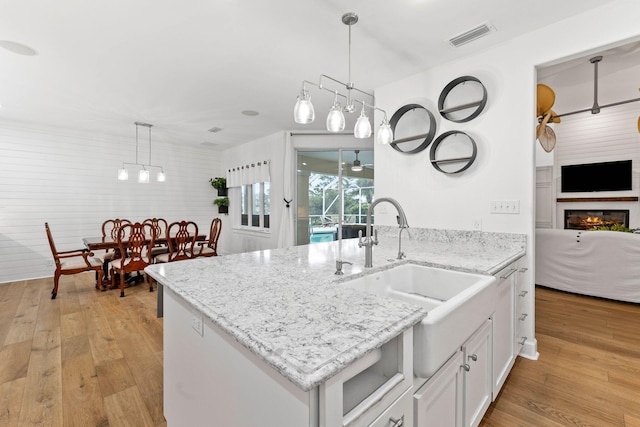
(303, 112)
(144, 173)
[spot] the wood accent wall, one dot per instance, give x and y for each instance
(69, 178)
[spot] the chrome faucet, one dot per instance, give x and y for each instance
(368, 242)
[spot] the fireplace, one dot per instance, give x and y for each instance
(575, 219)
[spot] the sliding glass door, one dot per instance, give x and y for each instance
(320, 207)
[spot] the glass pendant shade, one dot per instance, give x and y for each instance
(363, 126)
(384, 134)
(161, 176)
(335, 118)
(143, 177)
(123, 174)
(303, 112)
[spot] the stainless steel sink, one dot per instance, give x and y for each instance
(457, 302)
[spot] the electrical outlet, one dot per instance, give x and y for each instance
(505, 206)
(477, 224)
(197, 324)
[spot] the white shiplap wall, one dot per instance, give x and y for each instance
(68, 179)
(590, 138)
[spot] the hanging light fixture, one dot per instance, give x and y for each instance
(144, 173)
(357, 165)
(303, 112)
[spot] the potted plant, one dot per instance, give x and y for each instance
(220, 184)
(223, 204)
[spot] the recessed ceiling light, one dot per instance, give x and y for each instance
(250, 113)
(215, 129)
(18, 48)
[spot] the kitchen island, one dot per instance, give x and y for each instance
(285, 313)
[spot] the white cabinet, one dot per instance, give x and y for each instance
(438, 403)
(460, 392)
(400, 414)
(504, 333)
(477, 375)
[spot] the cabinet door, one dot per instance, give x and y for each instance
(504, 328)
(438, 403)
(477, 375)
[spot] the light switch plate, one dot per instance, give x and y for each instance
(505, 206)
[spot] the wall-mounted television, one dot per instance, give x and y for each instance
(606, 176)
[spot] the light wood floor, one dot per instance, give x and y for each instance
(588, 373)
(90, 358)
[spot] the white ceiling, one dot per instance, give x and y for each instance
(186, 67)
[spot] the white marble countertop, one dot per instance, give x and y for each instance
(289, 308)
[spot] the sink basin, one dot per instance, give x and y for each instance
(457, 303)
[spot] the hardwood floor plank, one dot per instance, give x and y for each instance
(23, 324)
(15, 361)
(42, 400)
(114, 376)
(81, 396)
(11, 393)
(126, 408)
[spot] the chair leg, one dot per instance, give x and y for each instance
(56, 278)
(150, 280)
(122, 284)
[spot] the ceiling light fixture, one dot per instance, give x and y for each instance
(143, 175)
(357, 165)
(303, 112)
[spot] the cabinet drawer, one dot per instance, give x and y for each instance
(400, 414)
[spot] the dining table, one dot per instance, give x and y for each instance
(100, 243)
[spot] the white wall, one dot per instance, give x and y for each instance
(68, 179)
(235, 238)
(504, 132)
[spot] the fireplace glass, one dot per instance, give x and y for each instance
(586, 219)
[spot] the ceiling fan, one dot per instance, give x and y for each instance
(357, 165)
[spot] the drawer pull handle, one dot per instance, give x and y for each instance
(523, 269)
(474, 357)
(523, 340)
(524, 316)
(397, 423)
(466, 367)
(513, 270)
(524, 293)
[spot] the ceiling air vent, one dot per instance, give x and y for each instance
(215, 129)
(471, 35)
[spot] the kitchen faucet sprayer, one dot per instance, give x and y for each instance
(368, 242)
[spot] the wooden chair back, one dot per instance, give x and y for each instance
(182, 237)
(136, 241)
(72, 262)
(111, 226)
(214, 235)
(158, 224)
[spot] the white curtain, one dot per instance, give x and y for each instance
(250, 173)
(285, 236)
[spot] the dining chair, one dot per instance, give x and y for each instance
(160, 226)
(210, 247)
(110, 229)
(72, 262)
(135, 242)
(181, 237)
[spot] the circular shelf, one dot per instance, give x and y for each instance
(457, 150)
(413, 128)
(462, 100)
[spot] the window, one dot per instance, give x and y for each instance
(255, 205)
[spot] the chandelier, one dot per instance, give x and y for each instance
(143, 175)
(304, 113)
